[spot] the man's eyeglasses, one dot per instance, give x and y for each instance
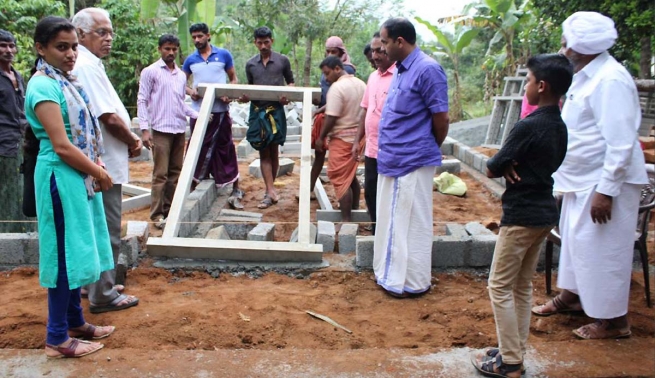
(102, 33)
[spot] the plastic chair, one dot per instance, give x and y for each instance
(646, 205)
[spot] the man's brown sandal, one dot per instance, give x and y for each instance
(560, 308)
(602, 329)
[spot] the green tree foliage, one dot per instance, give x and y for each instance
(633, 20)
(452, 39)
(134, 48)
(20, 18)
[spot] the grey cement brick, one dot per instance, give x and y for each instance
(31, 251)
(245, 214)
(481, 251)
(447, 146)
(347, 236)
(294, 130)
(130, 248)
(237, 227)
(449, 165)
(450, 251)
(291, 148)
(478, 162)
(218, 233)
(262, 232)
(364, 251)
(456, 229)
(139, 229)
(239, 132)
(456, 146)
(244, 149)
(121, 269)
(462, 152)
(286, 166)
(12, 249)
(313, 231)
(476, 228)
(468, 157)
(326, 235)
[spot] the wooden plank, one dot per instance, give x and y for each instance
(261, 92)
(190, 160)
(138, 202)
(322, 197)
(358, 216)
(133, 190)
(305, 171)
(234, 250)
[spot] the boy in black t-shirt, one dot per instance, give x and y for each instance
(534, 150)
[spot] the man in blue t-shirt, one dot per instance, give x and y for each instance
(210, 64)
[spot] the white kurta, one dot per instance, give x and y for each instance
(104, 100)
(602, 116)
(402, 258)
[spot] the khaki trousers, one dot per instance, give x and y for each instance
(168, 156)
(510, 286)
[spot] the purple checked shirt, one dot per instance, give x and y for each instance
(160, 102)
(406, 142)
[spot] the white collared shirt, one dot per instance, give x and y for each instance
(104, 100)
(602, 115)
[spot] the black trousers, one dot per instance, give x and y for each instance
(371, 186)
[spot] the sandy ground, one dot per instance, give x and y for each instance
(240, 316)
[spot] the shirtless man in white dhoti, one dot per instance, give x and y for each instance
(601, 178)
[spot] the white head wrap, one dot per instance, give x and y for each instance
(589, 33)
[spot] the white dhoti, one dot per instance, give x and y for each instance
(596, 259)
(402, 258)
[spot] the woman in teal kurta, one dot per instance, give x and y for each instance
(74, 245)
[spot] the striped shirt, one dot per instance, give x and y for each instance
(160, 103)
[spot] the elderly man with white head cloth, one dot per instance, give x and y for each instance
(600, 178)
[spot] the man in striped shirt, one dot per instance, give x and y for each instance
(161, 107)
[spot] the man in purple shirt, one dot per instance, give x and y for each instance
(413, 125)
(161, 106)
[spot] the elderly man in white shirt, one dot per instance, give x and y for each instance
(95, 34)
(601, 178)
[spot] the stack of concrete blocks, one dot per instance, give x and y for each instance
(469, 246)
(197, 204)
(286, 166)
(473, 159)
(262, 232)
(238, 224)
(326, 235)
(133, 243)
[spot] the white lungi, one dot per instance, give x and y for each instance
(402, 258)
(596, 259)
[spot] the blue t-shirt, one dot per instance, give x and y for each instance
(418, 90)
(212, 70)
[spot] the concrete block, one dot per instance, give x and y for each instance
(121, 269)
(468, 156)
(326, 233)
(139, 229)
(478, 163)
(12, 249)
(238, 131)
(450, 251)
(244, 149)
(218, 233)
(447, 146)
(145, 155)
(286, 166)
(456, 229)
(291, 148)
(130, 247)
(449, 165)
(292, 138)
(262, 232)
(238, 213)
(476, 228)
(347, 236)
(313, 231)
(293, 130)
(482, 251)
(138, 202)
(31, 250)
(237, 227)
(364, 251)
